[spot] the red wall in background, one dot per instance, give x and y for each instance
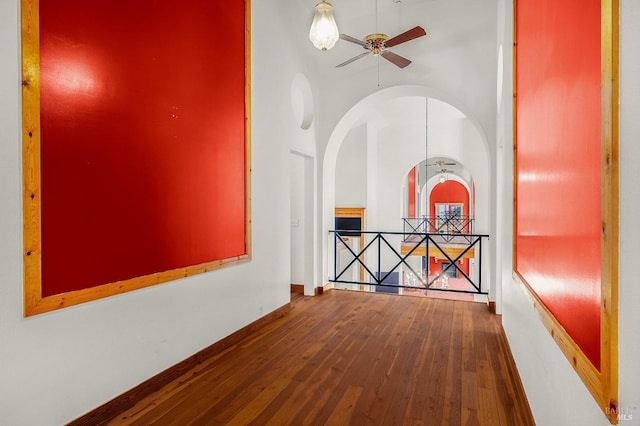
(558, 162)
(411, 188)
(435, 267)
(143, 138)
(450, 192)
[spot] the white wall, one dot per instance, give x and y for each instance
(400, 147)
(556, 394)
(629, 314)
(351, 169)
(297, 207)
(56, 366)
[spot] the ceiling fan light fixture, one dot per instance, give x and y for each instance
(442, 178)
(324, 31)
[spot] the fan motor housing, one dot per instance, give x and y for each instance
(376, 41)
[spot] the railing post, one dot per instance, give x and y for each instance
(335, 255)
(480, 266)
(379, 272)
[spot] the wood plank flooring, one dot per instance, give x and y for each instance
(349, 358)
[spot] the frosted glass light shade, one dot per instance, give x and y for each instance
(324, 31)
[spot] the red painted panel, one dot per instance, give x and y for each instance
(412, 192)
(143, 153)
(558, 161)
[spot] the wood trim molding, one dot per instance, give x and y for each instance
(491, 305)
(318, 291)
(602, 384)
(297, 288)
(34, 302)
(350, 212)
(609, 207)
(109, 410)
(32, 243)
(247, 127)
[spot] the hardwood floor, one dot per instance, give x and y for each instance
(353, 358)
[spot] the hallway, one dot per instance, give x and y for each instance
(353, 358)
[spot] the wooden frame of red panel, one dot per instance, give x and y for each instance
(601, 382)
(36, 299)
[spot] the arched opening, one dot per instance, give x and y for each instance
(384, 135)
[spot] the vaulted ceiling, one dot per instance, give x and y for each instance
(457, 58)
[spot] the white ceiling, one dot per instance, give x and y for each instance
(450, 24)
(458, 57)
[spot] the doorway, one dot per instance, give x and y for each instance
(301, 215)
(451, 272)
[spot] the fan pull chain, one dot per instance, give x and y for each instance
(426, 131)
(376, 9)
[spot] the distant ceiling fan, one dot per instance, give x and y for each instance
(377, 44)
(441, 164)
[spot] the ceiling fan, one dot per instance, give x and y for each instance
(377, 44)
(441, 164)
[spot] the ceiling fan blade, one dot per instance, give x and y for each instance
(355, 58)
(397, 60)
(414, 32)
(352, 40)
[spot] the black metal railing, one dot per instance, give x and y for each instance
(404, 260)
(441, 224)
